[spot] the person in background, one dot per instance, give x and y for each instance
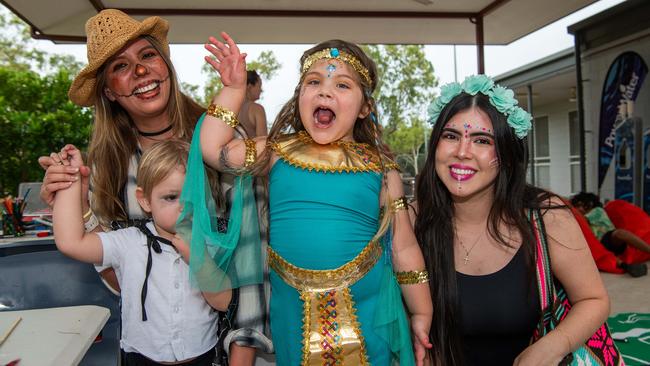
(251, 115)
(613, 239)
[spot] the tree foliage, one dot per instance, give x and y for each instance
(408, 143)
(405, 89)
(36, 116)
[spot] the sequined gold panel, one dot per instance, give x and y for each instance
(334, 336)
(331, 332)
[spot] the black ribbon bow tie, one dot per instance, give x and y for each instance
(153, 242)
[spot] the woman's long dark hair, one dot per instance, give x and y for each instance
(434, 225)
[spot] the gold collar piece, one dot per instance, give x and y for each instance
(302, 151)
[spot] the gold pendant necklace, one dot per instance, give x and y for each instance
(467, 252)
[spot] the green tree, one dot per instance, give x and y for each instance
(406, 83)
(36, 116)
(266, 66)
(408, 142)
(405, 89)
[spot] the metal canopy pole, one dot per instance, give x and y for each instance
(581, 114)
(480, 43)
(529, 90)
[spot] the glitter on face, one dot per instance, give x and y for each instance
(330, 69)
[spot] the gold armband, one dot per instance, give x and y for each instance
(412, 277)
(398, 204)
(251, 152)
(224, 114)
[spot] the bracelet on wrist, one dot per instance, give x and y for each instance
(224, 114)
(251, 152)
(91, 224)
(398, 204)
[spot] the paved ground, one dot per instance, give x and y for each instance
(628, 294)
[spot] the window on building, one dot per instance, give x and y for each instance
(574, 151)
(542, 160)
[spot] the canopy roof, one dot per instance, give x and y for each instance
(310, 21)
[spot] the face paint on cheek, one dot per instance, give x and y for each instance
(494, 163)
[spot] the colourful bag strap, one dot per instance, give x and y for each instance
(545, 284)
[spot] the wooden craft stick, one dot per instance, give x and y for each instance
(11, 329)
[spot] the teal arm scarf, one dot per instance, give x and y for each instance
(219, 261)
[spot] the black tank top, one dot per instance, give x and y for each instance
(498, 312)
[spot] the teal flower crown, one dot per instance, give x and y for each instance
(503, 99)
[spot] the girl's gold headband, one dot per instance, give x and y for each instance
(343, 56)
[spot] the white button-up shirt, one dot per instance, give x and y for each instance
(180, 323)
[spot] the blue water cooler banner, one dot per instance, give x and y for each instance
(622, 84)
(624, 166)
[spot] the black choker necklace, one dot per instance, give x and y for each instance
(157, 133)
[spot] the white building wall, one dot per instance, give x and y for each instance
(559, 147)
(595, 64)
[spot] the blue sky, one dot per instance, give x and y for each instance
(188, 59)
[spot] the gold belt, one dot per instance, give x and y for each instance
(331, 333)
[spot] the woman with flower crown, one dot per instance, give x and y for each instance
(335, 298)
(474, 223)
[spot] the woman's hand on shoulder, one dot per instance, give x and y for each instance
(227, 61)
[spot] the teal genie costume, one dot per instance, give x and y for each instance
(334, 297)
(334, 300)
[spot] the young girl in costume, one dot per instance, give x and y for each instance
(164, 319)
(482, 230)
(334, 296)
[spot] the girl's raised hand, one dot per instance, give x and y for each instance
(228, 61)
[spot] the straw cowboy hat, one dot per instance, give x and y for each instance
(107, 33)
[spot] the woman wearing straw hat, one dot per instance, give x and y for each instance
(131, 82)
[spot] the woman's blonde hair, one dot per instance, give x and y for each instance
(159, 161)
(114, 140)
